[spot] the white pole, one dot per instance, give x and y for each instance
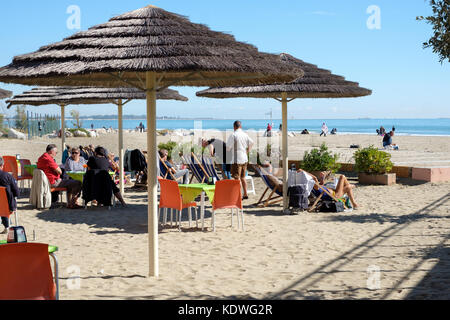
(151, 181)
(121, 154)
(63, 128)
(285, 150)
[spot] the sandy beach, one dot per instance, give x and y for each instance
(399, 237)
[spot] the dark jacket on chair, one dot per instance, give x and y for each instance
(97, 185)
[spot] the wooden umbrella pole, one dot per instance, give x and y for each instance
(284, 103)
(151, 181)
(63, 128)
(121, 154)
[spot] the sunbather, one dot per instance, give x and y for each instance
(163, 153)
(343, 187)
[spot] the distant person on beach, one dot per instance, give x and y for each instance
(240, 144)
(218, 149)
(387, 141)
(333, 131)
(382, 131)
(305, 131)
(269, 130)
(12, 192)
(324, 130)
(393, 128)
(92, 126)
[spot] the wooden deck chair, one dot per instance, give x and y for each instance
(209, 165)
(316, 202)
(196, 168)
(273, 184)
(165, 171)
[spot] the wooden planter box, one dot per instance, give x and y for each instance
(384, 179)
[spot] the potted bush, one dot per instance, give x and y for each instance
(320, 162)
(374, 166)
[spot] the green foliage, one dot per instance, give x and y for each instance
(320, 160)
(169, 146)
(76, 116)
(80, 129)
(21, 122)
(440, 20)
(372, 161)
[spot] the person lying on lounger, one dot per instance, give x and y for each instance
(343, 187)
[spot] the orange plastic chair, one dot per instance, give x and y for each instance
(11, 166)
(26, 272)
(4, 206)
(170, 198)
(228, 196)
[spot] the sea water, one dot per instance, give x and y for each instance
(428, 127)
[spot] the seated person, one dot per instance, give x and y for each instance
(66, 154)
(12, 192)
(387, 141)
(53, 172)
(334, 131)
(75, 163)
(305, 131)
(100, 162)
(343, 187)
(163, 153)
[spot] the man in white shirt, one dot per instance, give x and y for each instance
(239, 143)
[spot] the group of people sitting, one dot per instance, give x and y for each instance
(75, 163)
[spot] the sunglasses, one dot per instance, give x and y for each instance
(75, 153)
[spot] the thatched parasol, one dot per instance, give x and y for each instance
(64, 96)
(5, 94)
(316, 83)
(148, 48)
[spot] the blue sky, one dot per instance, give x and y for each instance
(407, 81)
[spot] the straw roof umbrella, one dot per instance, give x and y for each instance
(316, 83)
(5, 94)
(64, 96)
(148, 48)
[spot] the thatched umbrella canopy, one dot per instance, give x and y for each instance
(148, 48)
(5, 94)
(316, 83)
(64, 96)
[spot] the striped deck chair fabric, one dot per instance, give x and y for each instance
(208, 164)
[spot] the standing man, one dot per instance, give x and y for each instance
(324, 130)
(12, 192)
(240, 144)
(218, 149)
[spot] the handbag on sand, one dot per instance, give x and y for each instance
(332, 206)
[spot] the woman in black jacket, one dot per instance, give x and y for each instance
(100, 162)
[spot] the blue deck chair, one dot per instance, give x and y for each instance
(208, 164)
(196, 168)
(165, 172)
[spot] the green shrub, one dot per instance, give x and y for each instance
(372, 161)
(169, 146)
(320, 160)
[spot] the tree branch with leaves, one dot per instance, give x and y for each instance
(440, 20)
